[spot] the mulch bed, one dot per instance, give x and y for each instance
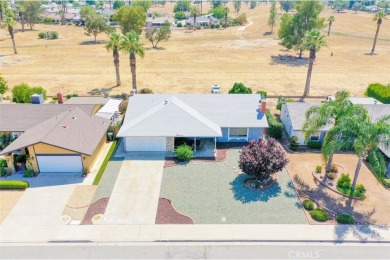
(99, 207)
(166, 214)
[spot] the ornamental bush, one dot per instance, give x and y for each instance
(13, 184)
(308, 204)
(314, 145)
(334, 168)
(180, 15)
(380, 92)
(262, 93)
(360, 191)
(275, 128)
(262, 158)
(294, 143)
(344, 219)
(319, 215)
(29, 173)
(184, 152)
(344, 182)
(146, 91)
(331, 175)
(54, 35)
(318, 169)
(41, 35)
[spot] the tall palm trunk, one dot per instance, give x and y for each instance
(300, 53)
(115, 54)
(226, 20)
(358, 166)
(329, 163)
(330, 25)
(194, 22)
(376, 36)
(201, 7)
(21, 20)
(309, 70)
(133, 71)
(11, 33)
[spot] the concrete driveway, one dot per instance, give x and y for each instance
(134, 198)
(44, 201)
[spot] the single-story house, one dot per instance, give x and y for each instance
(205, 20)
(153, 121)
(68, 141)
(158, 22)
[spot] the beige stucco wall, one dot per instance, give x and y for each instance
(49, 149)
(33, 159)
(88, 161)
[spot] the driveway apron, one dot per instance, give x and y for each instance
(134, 198)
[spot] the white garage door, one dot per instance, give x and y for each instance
(151, 144)
(59, 163)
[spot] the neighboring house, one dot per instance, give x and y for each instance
(293, 116)
(364, 101)
(153, 121)
(205, 20)
(110, 110)
(68, 141)
(158, 22)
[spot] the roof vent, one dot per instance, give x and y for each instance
(166, 102)
(74, 117)
(65, 126)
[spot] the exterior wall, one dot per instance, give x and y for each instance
(48, 149)
(88, 161)
(170, 144)
(33, 159)
(285, 118)
(301, 136)
(254, 134)
(225, 135)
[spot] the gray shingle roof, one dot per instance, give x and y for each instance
(21, 117)
(73, 130)
(190, 114)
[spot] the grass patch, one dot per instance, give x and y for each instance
(14, 184)
(103, 167)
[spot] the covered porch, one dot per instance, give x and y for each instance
(202, 146)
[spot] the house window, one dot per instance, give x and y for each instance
(315, 137)
(238, 133)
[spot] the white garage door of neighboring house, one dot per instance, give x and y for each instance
(151, 144)
(59, 163)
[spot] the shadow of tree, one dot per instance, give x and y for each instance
(100, 91)
(288, 60)
(92, 42)
(345, 205)
(245, 195)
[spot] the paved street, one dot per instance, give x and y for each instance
(197, 251)
(134, 198)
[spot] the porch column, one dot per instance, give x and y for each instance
(195, 144)
(10, 163)
(215, 144)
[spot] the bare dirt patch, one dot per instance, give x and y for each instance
(191, 62)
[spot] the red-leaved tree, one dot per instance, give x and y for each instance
(262, 158)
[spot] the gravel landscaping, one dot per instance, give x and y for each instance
(79, 202)
(8, 200)
(213, 193)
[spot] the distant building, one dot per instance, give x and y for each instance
(205, 20)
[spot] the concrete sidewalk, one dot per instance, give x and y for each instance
(195, 233)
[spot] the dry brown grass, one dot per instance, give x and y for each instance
(191, 61)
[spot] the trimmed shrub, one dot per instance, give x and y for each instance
(217, 26)
(240, 88)
(262, 93)
(179, 25)
(212, 26)
(3, 172)
(318, 169)
(314, 145)
(198, 27)
(344, 182)
(360, 191)
(377, 164)
(13, 184)
(68, 96)
(331, 175)
(21, 93)
(386, 182)
(380, 92)
(29, 173)
(41, 35)
(308, 204)
(48, 20)
(54, 35)
(146, 91)
(184, 152)
(344, 219)
(275, 128)
(319, 215)
(3, 163)
(334, 168)
(294, 143)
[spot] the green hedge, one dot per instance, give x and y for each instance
(314, 145)
(103, 167)
(308, 204)
(319, 215)
(275, 128)
(380, 92)
(13, 184)
(344, 219)
(377, 164)
(386, 182)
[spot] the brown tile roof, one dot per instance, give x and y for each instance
(72, 130)
(21, 117)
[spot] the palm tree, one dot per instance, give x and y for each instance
(313, 42)
(331, 19)
(114, 44)
(378, 18)
(331, 112)
(226, 12)
(194, 12)
(130, 44)
(9, 23)
(366, 136)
